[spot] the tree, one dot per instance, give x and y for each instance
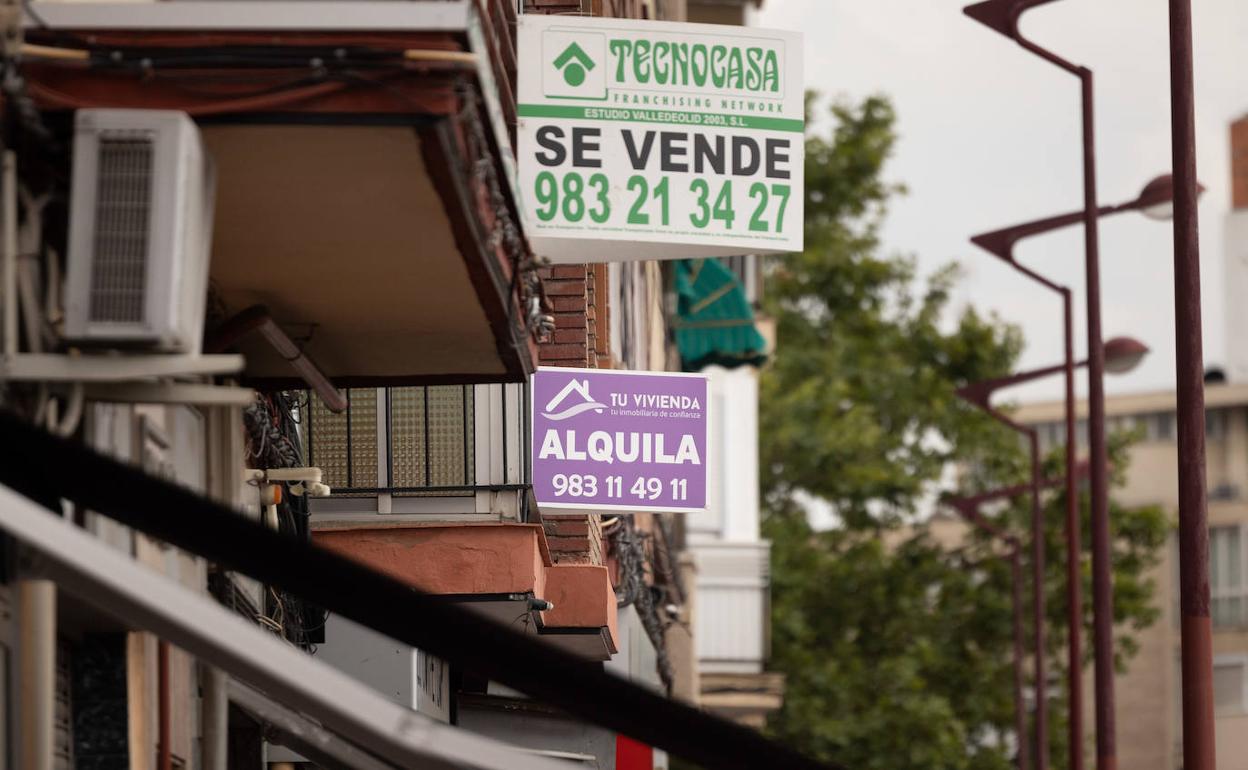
(896, 647)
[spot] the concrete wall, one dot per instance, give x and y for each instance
(1235, 287)
(732, 474)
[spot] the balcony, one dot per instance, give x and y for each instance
(421, 453)
(364, 195)
(732, 618)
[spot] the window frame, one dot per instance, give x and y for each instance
(498, 485)
(1226, 661)
(1216, 589)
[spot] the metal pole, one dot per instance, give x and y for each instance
(1197, 645)
(215, 710)
(1020, 708)
(1037, 607)
(1074, 559)
(164, 750)
(1102, 554)
(8, 242)
(36, 673)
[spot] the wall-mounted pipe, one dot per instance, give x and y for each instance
(164, 731)
(8, 242)
(257, 319)
(214, 716)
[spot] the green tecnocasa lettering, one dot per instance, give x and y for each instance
(661, 62)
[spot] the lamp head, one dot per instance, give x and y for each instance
(1001, 15)
(998, 15)
(1122, 354)
(999, 243)
(1156, 200)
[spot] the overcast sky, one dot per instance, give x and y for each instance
(989, 137)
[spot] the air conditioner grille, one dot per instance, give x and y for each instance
(123, 207)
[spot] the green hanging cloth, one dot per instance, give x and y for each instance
(714, 322)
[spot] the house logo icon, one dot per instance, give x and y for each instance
(585, 404)
(574, 63)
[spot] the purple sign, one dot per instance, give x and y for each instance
(618, 441)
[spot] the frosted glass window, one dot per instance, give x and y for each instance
(407, 430)
(324, 437)
(431, 436)
(448, 437)
(429, 432)
(343, 446)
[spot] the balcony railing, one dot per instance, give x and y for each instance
(421, 450)
(733, 617)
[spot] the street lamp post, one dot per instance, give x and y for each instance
(1156, 201)
(1121, 354)
(1199, 751)
(968, 507)
(1037, 576)
(1002, 16)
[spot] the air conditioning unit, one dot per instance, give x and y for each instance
(140, 231)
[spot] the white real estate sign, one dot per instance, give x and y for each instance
(654, 140)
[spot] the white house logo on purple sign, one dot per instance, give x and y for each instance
(642, 447)
(581, 388)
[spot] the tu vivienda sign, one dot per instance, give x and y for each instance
(655, 140)
(616, 441)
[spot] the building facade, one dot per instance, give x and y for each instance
(1148, 692)
(356, 377)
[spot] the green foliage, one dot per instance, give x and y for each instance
(875, 641)
(861, 357)
(897, 647)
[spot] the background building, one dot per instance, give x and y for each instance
(1149, 714)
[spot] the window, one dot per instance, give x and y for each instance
(1125, 423)
(1215, 424)
(1049, 435)
(1229, 681)
(1160, 426)
(1227, 586)
(398, 439)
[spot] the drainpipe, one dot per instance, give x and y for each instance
(36, 673)
(164, 752)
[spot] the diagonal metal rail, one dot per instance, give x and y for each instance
(47, 468)
(91, 570)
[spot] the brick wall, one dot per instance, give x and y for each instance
(581, 339)
(1239, 164)
(567, 287)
